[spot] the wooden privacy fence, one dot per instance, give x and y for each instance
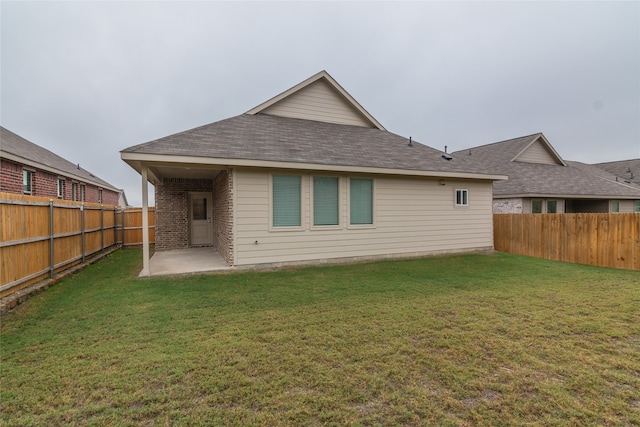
(605, 240)
(41, 237)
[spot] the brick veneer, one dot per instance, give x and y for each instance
(45, 184)
(172, 211)
(223, 214)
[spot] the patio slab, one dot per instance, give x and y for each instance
(185, 261)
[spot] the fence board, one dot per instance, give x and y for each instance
(25, 235)
(606, 240)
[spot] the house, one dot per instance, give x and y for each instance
(540, 181)
(626, 170)
(310, 176)
(27, 168)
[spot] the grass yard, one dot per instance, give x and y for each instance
(453, 341)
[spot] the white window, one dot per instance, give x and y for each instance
(552, 206)
(325, 201)
(462, 197)
(27, 181)
(615, 206)
(636, 206)
(60, 188)
(360, 201)
(286, 200)
(536, 206)
(99, 195)
(82, 192)
(74, 191)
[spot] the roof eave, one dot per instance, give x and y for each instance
(55, 171)
(137, 160)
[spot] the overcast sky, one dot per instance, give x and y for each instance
(88, 79)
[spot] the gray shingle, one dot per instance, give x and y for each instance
(12, 143)
(271, 138)
(575, 179)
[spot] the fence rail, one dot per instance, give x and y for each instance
(40, 237)
(605, 240)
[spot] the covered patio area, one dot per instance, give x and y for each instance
(185, 261)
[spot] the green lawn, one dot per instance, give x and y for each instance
(460, 341)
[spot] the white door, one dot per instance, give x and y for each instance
(201, 222)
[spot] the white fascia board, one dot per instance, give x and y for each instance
(564, 196)
(136, 159)
(54, 171)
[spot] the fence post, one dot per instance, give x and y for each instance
(82, 229)
(101, 227)
(52, 261)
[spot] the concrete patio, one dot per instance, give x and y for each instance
(185, 261)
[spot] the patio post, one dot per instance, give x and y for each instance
(145, 224)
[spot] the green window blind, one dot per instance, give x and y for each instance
(286, 200)
(325, 201)
(360, 201)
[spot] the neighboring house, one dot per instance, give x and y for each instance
(311, 176)
(27, 168)
(540, 181)
(626, 170)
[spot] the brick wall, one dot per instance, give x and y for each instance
(10, 177)
(45, 184)
(223, 214)
(507, 205)
(172, 211)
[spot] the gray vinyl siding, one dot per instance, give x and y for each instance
(537, 153)
(412, 216)
(318, 102)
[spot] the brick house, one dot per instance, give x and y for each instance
(309, 176)
(27, 168)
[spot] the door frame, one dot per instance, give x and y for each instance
(209, 196)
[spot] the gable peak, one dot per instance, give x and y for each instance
(320, 98)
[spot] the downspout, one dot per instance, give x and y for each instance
(145, 224)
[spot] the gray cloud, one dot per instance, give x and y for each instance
(86, 80)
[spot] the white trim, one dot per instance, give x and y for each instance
(135, 160)
(373, 205)
(303, 182)
(145, 225)
(312, 224)
(455, 197)
(546, 143)
(334, 84)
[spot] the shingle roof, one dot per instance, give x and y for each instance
(270, 138)
(626, 170)
(16, 145)
(574, 180)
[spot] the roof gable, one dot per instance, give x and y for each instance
(539, 150)
(319, 98)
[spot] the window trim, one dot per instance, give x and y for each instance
(542, 205)
(611, 202)
(314, 226)
(83, 192)
(546, 206)
(31, 174)
(462, 191)
(74, 191)
(373, 205)
(60, 187)
(99, 195)
(303, 182)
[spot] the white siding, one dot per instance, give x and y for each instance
(319, 102)
(537, 153)
(412, 216)
(626, 205)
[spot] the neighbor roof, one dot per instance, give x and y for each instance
(625, 170)
(20, 150)
(246, 139)
(573, 179)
